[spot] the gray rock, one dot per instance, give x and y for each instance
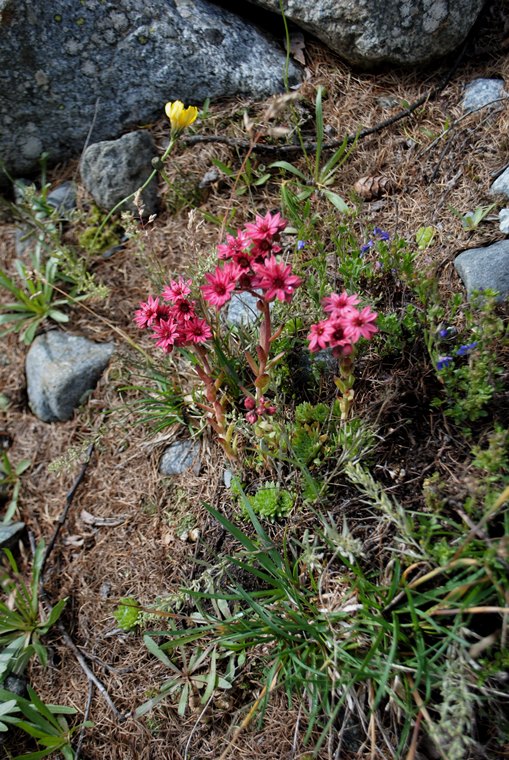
(10, 533)
(242, 310)
(501, 185)
(485, 268)
(113, 169)
(503, 216)
(71, 70)
(60, 369)
(63, 198)
(369, 32)
(482, 92)
(180, 457)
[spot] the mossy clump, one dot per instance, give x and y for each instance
(127, 613)
(93, 241)
(271, 502)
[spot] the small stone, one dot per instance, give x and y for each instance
(482, 92)
(63, 197)
(242, 310)
(211, 176)
(114, 169)
(485, 269)
(503, 216)
(501, 185)
(180, 457)
(388, 102)
(10, 533)
(61, 368)
(105, 590)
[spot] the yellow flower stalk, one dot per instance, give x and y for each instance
(180, 117)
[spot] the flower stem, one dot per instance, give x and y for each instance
(139, 190)
(215, 412)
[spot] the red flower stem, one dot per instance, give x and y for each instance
(215, 416)
(265, 339)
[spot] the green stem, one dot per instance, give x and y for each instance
(139, 190)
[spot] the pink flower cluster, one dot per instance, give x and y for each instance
(251, 264)
(173, 318)
(344, 325)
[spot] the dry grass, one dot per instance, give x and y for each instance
(143, 557)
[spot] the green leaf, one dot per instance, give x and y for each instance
(262, 180)
(223, 167)
(184, 698)
(424, 237)
(35, 755)
(41, 653)
(157, 652)
(211, 679)
(337, 159)
(28, 335)
(336, 201)
(58, 316)
(289, 168)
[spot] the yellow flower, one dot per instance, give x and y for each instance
(180, 117)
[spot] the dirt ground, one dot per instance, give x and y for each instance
(143, 556)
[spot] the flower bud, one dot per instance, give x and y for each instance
(249, 402)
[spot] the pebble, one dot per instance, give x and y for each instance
(482, 92)
(180, 457)
(501, 184)
(10, 533)
(242, 310)
(60, 369)
(485, 269)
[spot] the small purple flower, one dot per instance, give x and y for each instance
(381, 234)
(447, 332)
(463, 350)
(301, 244)
(378, 265)
(365, 248)
(443, 362)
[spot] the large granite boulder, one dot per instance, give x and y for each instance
(367, 33)
(75, 72)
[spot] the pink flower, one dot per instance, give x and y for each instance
(221, 284)
(336, 334)
(359, 324)
(340, 304)
(318, 336)
(176, 290)
(197, 330)
(276, 280)
(234, 245)
(249, 403)
(245, 281)
(243, 259)
(166, 334)
(251, 417)
(150, 313)
(265, 228)
(183, 309)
